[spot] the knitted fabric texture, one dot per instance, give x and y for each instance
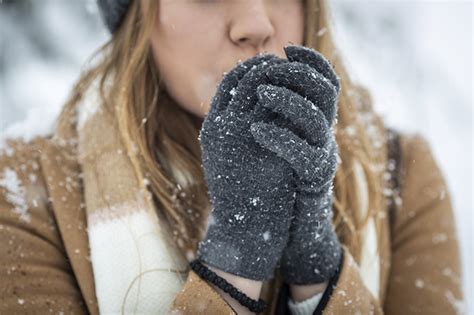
(305, 92)
(137, 267)
(264, 143)
(250, 188)
(266, 140)
(113, 12)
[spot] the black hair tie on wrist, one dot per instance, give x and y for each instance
(209, 275)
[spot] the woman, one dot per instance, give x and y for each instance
(110, 211)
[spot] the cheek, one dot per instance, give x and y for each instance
(191, 83)
(192, 89)
(290, 23)
(188, 68)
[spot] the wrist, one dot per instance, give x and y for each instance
(249, 287)
(224, 249)
(303, 292)
(316, 263)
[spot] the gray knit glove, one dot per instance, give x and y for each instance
(251, 189)
(304, 93)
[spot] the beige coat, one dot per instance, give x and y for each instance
(44, 252)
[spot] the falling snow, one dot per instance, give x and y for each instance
(266, 235)
(254, 200)
(239, 217)
(419, 283)
(371, 68)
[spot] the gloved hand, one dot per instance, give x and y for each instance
(304, 93)
(251, 189)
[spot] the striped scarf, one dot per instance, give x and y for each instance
(137, 269)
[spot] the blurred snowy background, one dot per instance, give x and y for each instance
(414, 56)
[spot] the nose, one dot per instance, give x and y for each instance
(251, 27)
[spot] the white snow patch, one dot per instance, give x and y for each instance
(16, 193)
(460, 306)
(239, 217)
(419, 283)
(254, 200)
(266, 235)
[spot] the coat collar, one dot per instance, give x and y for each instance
(63, 177)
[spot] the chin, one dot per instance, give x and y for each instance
(200, 110)
(204, 111)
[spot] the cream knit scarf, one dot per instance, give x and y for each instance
(137, 269)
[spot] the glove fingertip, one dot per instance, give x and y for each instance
(268, 92)
(258, 129)
(315, 59)
(262, 133)
(293, 51)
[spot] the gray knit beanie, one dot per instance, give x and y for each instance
(113, 12)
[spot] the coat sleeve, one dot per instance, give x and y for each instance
(425, 273)
(35, 274)
(348, 294)
(198, 297)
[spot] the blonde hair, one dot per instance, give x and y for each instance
(169, 158)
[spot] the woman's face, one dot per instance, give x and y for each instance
(195, 42)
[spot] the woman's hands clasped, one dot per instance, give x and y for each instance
(304, 93)
(269, 157)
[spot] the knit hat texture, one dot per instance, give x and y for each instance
(113, 12)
